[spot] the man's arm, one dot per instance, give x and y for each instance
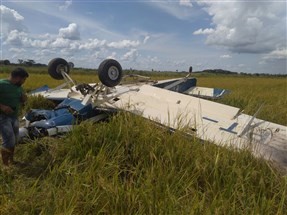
(23, 98)
(6, 109)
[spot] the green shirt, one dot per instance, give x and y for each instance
(10, 95)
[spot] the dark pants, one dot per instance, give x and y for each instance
(9, 129)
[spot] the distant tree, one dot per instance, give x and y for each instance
(5, 62)
(20, 61)
(39, 64)
(31, 61)
(28, 63)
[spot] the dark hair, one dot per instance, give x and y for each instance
(19, 72)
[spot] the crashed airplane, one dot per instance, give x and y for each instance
(175, 104)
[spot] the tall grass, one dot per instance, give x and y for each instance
(247, 93)
(130, 166)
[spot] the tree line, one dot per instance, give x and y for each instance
(28, 62)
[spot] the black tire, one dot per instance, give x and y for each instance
(57, 65)
(110, 72)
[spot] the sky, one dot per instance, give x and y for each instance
(164, 35)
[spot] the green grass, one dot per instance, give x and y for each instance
(248, 93)
(130, 166)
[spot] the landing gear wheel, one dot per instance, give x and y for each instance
(56, 66)
(110, 72)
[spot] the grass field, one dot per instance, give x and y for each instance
(130, 166)
(247, 93)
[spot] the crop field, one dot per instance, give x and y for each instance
(128, 165)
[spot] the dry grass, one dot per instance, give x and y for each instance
(130, 166)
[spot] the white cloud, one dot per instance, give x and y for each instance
(96, 55)
(71, 32)
(204, 32)
(247, 26)
(15, 38)
(174, 8)
(17, 50)
(146, 39)
(38, 43)
(10, 20)
(93, 44)
(61, 43)
(179, 63)
(154, 59)
(226, 56)
(131, 55)
(112, 56)
(8, 13)
(44, 52)
(185, 3)
(277, 54)
(47, 8)
(66, 5)
(44, 36)
(124, 44)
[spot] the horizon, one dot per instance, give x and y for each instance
(207, 70)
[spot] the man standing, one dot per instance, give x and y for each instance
(11, 97)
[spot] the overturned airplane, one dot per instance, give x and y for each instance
(175, 104)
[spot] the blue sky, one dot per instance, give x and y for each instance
(241, 36)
